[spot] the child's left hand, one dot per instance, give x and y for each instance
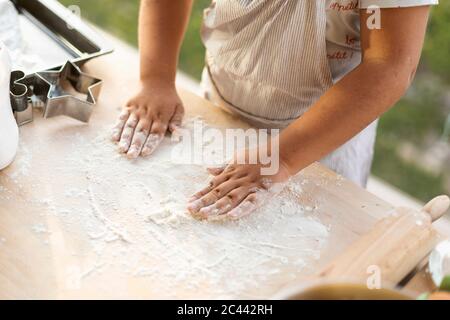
(236, 190)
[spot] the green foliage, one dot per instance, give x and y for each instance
(120, 18)
(437, 44)
(116, 16)
(415, 118)
(406, 176)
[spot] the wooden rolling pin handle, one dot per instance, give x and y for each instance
(437, 207)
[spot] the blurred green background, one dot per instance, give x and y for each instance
(411, 151)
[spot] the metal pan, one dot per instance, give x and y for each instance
(47, 23)
(59, 40)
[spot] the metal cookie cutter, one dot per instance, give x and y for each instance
(65, 91)
(61, 101)
(19, 96)
(61, 43)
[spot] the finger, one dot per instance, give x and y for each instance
(127, 133)
(221, 207)
(247, 206)
(177, 118)
(215, 194)
(118, 127)
(266, 183)
(215, 171)
(153, 141)
(212, 184)
(201, 193)
(139, 138)
(177, 134)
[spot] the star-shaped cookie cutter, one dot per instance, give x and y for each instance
(66, 86)
(63, 91)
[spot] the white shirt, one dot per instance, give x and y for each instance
(343, 30)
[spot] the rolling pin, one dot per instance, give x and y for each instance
(394, 247)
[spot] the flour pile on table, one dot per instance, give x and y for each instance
(133, 214)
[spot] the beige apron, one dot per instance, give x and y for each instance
(267, 59)
(267, 62)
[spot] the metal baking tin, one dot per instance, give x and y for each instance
(79, 44)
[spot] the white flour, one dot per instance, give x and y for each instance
(132, 214)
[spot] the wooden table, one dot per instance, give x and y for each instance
(33, 268)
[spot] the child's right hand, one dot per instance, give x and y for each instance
(146, 118)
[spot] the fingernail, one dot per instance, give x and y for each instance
(124, 115)
(123, 147)
(146, 152)
(191, 199)
(235, 213)
(209, 210)
(214, 211)
(204, 212)
(133, 153)
(194, 206)
(115, 135)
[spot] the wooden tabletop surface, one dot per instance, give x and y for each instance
(39, 252)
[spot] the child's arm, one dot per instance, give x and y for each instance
(390, 58)
(156, 108)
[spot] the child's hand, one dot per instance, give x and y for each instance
(236, 190)
(146, 118)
